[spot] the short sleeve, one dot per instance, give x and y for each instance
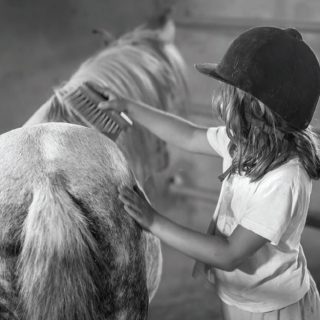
(269, 210)
(219, 140)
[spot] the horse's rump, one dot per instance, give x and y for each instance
(68, 249)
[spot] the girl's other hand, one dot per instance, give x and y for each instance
(137, 206)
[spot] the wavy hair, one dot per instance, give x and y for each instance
(260, 140)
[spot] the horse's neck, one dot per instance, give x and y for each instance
(50, 111)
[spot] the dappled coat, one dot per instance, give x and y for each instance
(68, 250)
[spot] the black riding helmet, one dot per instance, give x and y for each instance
(277, 67)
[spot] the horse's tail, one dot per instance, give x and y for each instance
(59, 258)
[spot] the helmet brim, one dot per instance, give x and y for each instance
(211, 70)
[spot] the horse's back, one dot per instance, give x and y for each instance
(63, 226)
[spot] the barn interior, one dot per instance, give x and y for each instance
(42, 44)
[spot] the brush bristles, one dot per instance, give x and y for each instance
(85, 105)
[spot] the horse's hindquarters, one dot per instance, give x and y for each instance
(78, 254)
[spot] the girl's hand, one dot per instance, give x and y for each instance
(111, 99)
(137, 206)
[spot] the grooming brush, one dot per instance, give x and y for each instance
(84, 102)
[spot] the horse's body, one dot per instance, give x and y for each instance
(68, 249)
(60, 217)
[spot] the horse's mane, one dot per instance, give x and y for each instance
(143, 66)
(139, 64)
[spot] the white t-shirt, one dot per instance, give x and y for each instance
(275, 207)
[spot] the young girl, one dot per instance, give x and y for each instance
(271, 84)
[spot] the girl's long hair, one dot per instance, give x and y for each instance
(260, 140)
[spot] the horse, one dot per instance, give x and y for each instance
(68, 250)
(144, 65)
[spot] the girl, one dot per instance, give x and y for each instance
(271, 82)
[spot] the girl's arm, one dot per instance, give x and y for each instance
(171, 128)
(225, 253)
(168, 127)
